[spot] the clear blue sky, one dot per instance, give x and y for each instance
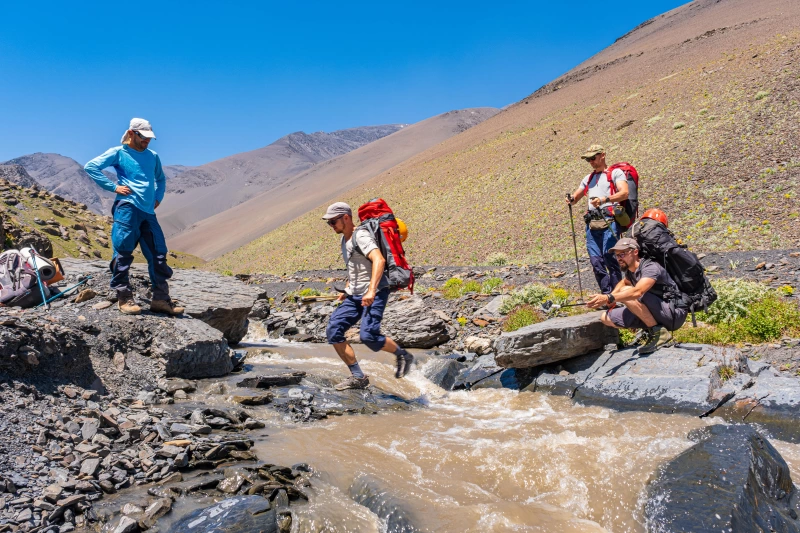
(219, 78)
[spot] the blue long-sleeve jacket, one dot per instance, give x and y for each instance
(140, 171)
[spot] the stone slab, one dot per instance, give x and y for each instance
(553, 340)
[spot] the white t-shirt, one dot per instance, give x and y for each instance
(359, 267)
(599, 186)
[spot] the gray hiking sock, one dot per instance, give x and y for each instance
(356, 370)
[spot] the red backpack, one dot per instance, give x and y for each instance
(631, 205)
(377, 217)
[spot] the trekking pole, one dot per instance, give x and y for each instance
(38, 277)
(65, 292)
(575, 244)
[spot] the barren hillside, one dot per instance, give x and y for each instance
(702, 99)
(204, 191)
(303, 192)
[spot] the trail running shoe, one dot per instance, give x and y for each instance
(353, 382)
(408, 363)
(651, 340)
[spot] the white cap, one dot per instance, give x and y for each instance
(140, 125)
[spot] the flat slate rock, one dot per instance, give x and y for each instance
(277, 380)
(773, 402)
(553, 340)
(239, 514)
(484, 373)
(732, 480)
(679, 379)
(222, 302)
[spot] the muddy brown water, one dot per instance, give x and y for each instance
(477, 461)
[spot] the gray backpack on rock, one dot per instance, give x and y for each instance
(18, 284)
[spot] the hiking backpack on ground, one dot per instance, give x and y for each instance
(377, 218)
(18, 284)
(631, 205)
(656, 242)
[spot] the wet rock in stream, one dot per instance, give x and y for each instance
(375, 496)
(732, 480)
(242, 514)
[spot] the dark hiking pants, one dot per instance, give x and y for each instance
(351, 311)
(604, 262)
(133, 226)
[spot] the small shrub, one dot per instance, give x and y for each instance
(786, 290)
(497, 259)
(533, 294)
(734, 297)
(491, 285)
(522, 316)
(726, 372)
(462, 321)
(452, 288)
(626, 336)
(560, 296)
(760, 95)
(678, 125)
(227, 272)
(769, 318)
(308, 291)
(470, 286)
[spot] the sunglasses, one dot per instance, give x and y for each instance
(142, 137)
(332, 222)
(590, 159)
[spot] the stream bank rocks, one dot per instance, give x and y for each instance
(63, 453)
(731, 480)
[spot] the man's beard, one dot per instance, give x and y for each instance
(623, 266)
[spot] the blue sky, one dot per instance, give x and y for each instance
(217, 79)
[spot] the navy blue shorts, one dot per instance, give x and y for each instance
(351, 311)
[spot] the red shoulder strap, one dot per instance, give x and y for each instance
(611, 185)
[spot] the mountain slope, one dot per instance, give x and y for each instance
(321, 183)
(17, 174)
(209, 189)
(64, 176)
(702, 99)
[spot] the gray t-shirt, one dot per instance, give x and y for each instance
(651, 269)
(599, 186)
(359, 267)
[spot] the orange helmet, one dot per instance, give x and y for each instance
(401, 226)
(657, 214)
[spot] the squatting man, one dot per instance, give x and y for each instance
(650, 296)
(365, 298)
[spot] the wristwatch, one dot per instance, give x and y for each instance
(611, 298)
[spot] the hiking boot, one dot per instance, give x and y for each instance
(353, 382)
(651, 340)
(404, 363)
(126, 304)
(167, 307)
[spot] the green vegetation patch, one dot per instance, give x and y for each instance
(745, 312)
(522, 316)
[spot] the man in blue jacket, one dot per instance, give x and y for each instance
(140, 189)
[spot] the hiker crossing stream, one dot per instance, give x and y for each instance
(488, 460)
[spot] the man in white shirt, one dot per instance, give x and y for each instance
(364, 299)
(601, 229)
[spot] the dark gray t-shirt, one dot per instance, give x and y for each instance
(651, 269)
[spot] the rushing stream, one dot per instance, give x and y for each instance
(480, 461)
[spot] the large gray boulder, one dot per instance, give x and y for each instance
(443, 372)
(733, 480)
(222, 302)
(192, 349)
(239, 514)
(773, 401)
(553, 340)
(413, 324)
